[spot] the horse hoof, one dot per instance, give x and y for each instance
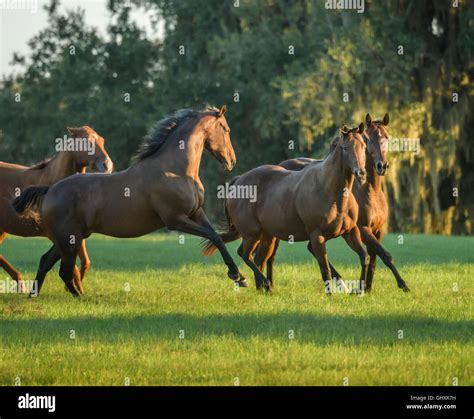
(32, 295)
(20, 286)
(235, 276)
(242, 283)
(405, 288)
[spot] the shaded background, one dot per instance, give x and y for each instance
(290, 62)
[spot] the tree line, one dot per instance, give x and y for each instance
(291, 72)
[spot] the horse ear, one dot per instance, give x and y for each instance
(386, 119)
(71, 131)
(222, 111)
(361, 128)
(344, 130)
(368, 120)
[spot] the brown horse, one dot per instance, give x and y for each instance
(14, 179)
(315, 204)
(373, 207)
(162, 188)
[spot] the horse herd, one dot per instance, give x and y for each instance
(298, 200)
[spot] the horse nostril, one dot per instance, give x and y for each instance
(386, 165)
(363, 172)
(379, 166)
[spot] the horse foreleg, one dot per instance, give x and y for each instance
(318, 250)
(353, 239)
(199, 225)
(334, 274)
(371, 270)
(10, 270)
(375, 247)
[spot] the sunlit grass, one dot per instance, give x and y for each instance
(182, 322)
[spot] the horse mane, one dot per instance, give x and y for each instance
(163, 129)
(41, 165)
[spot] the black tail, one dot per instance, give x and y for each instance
(30, 199)
(229, 234)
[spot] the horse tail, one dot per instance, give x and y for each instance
(28, 204)
(229, 232)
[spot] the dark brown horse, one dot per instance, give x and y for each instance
(315, 204)
(162, 188)
(14, 179)
(373, 207)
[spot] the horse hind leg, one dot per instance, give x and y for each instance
(265, 255)
(66, 271)
(263, 252)
(85, 266)
(77, 280)
(85, 261)
(68, 251)
(271, 261)
(245, 252)
(47, 261)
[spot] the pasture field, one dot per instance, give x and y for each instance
(156, 312)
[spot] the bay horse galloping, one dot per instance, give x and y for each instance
(373, 206)
(315, 203)
(160, 189)
(15, 179)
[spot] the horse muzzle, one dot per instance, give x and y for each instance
(382, 167)
(103, 166)
(228, 164)
(361, 174)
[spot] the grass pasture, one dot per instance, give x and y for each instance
(156, 312)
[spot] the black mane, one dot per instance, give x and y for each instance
(40, 165)
(164, 128)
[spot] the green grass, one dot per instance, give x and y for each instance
(244, 335)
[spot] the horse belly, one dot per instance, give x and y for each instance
(127, 223)
(284, 225)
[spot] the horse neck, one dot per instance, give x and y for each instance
(188, 164)
(373, 179)
(335, 179)
(61, 166)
